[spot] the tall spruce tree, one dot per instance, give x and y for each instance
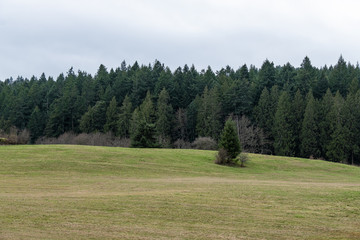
(147, 110)
(112, 117)
(298, 107)
(337, 149)
(284, 139)
(124, 119)
(310, 132)
(351, 116)
(208, 119)
(94, 119)
(36, 124)
(164, 118)
(305, 76)
(324, 123)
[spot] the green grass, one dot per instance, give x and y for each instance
(81, 192)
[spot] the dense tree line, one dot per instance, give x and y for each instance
(305, 111)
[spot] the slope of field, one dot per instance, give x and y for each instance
(82, 192)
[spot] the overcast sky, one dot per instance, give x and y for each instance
(50, 36)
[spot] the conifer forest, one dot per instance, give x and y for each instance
(303, 111)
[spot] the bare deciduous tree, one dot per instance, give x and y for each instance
(252, 138)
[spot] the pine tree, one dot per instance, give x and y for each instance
(325, 119)
(310, 131)
(229, 140)
(263, 111)
(36, 124)
(305, 76)
(94, 119)
(111, 117)
(340, 78)
(337, 149)
(147, 111)
(124, 118)
(286, 78)
(351, 119)
(136, 119)
(284, 139)
(298, 107)
(208, 119)
(266, 78)
(237, 99)
(164, 117)
(144, 136)
(321, 85)
(192, 112)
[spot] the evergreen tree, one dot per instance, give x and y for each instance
(164, 117)
(340, 77)
(136, 119)
(94, 119)
(324, 122)
(102, 79)
(229, 140)
(321, 85)
(125, 118)
(267, 75)
(111, 117)
(208, 119)
(310, 132)
(263, 112)
(351, 117)
(305, 76)
(237, 99)
(286, 78)
(144, 136)
(337, 149)
(298, 108)
(147, 110)
(36, 125)
(284, 139)
(192, 112)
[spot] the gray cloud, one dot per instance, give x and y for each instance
(51, 36)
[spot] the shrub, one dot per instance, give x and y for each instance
(181, 144)
(4, 141)
(93, 139)
(204, 143)
(15, 136)
(222, 157)
(243, 158)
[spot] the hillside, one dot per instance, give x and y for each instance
(82, 192)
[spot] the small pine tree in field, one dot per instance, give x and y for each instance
(229, 141)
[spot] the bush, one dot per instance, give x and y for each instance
(4, 141)
(181, 144)
(15, 136)
(222, 157)
(243, 158)
(204, 143)
(93, 139)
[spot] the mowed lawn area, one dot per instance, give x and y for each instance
(83, 192)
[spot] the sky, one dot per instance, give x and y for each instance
(43, 36)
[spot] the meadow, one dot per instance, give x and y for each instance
(83, 192)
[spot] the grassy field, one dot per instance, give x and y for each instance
(81, 192)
